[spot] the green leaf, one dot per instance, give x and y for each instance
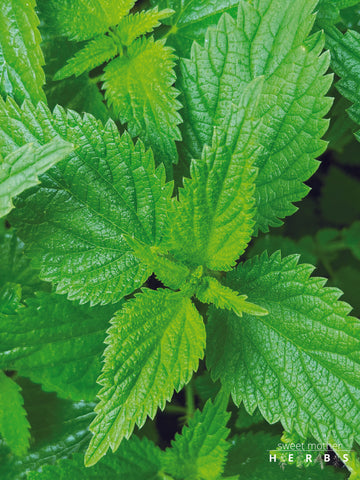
(300, 363)
(249, 457)
(139, 87)
(57, 343)
(212, 291)
(74, 223)
(77, 93)
(101, 49)
(344, 50)
(134, 25)
(201, 449)
(59, 429)
(192, 19)
(212, 222)
(15, 266)
(20, 169)
(135, 460)
(294, 87)
(154, 345)
(14, 426)
(83, 19)
(329, 10)
(21, 59)
(351, 238)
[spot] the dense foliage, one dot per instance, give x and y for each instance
(148, 306)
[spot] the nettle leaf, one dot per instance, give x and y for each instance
(74, 223)
(84, 19)
(63, 434)
(201, 449)
(99, 50)
(139, 87)
(57, 343)
(212, 222)
(14, 427)
(134, 25)
(154, 345)
(20, 169)
(21, 59)
(15, 266)
(329, 10)
(344, 50)
(192, 19)
(294, 87)
(300, 363)
(135, 460)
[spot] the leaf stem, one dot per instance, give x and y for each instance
(190, 401)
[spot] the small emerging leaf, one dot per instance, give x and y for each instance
(213, 292)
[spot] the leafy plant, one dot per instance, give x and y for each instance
(134, 315)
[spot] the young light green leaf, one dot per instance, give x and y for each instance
(19, 170)
(57, 343)
(300, 363)
(213, 292)
(212, 222)
(99, 50)
(351, 238)
(14, 427)
(201, 449)
(154, 345)
(192, 19)
(295, 87)
(135, 460)
(139, 87)
(74, 223)
(344, 50)
(134, 25)
(21, 58)
(84, 19)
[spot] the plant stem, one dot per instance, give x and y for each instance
(190, 402)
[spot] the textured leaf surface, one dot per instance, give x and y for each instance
(74, 222)
(192, 18)
(21, 59)
(256, 45)
(135, 460)
(57, 343)
(14, 426)
(200, 451)
(139, 87)
(101, 49)
(140, 23)
(84, 19)
(249, 458)
(212, 222)
(154, 345)
(300, 363)
(329, 10)
(20, 169)
(344, 50)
